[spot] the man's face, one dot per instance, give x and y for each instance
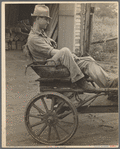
(43, 22)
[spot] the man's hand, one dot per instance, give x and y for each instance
(75, 57)
(54, 44)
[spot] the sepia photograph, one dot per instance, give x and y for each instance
(60, 74)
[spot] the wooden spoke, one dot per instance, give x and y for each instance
(42, 129)
(49, 133)
(53, 102)
(62, 128)
(37, 123)
(56, 132)
(46, 108)
(35, 116)
(60, 106)
(39, 110)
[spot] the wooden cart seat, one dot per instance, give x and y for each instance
(49, 71)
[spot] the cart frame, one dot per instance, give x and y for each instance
(57, 114)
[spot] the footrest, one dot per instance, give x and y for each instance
(68, 79)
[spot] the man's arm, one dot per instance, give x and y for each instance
(54, 44)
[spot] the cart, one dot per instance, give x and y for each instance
(50, 117)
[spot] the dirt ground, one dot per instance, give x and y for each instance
(100, 129)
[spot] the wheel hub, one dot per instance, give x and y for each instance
(51, 118)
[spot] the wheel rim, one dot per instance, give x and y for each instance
(47, 121)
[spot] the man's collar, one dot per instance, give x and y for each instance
(41, 32)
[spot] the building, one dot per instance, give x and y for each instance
(67, 26)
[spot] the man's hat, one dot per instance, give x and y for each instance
(41, 10)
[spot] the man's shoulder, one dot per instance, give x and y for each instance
(34, 37)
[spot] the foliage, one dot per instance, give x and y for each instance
(102, 30)
(106, 10)
(104, 52)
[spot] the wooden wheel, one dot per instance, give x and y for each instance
(51, 118)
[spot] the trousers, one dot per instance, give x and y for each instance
(78, 67)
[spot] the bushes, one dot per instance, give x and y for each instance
(102, 30)
(102, 52)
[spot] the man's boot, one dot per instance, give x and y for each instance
(83, 84)
(114, 83)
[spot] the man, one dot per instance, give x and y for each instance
(42, 48)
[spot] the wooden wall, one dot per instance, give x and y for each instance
(86, 27)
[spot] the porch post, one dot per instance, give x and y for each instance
(66, 26)
(86, 27)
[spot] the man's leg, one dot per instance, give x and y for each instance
(64, 57)
(98, 75)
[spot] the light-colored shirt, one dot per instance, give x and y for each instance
(39, 45)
